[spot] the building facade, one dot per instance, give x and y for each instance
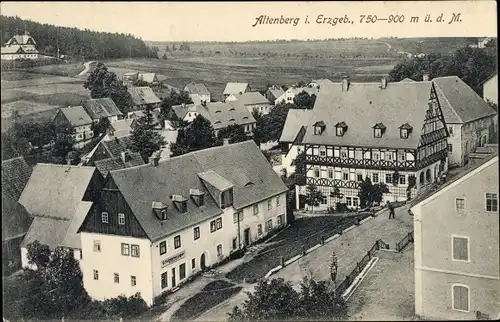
(391, 133)
(289, 95)
(156, 225)
(79, 121)
(198, 92)
(457, 248)
(490, 89)
(252, 101)
(20, 47)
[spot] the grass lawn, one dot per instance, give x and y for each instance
(305, 232)
(211, 295)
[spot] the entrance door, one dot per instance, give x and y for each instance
(173, 277)
(202, 262)
(246, 234)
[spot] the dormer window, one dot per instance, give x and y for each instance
(378, 130)
(341, 128)
(180, 203)
(163, 214)
(319, 127)
(226, 198)
(198, 196)
(405, 130)
(160, 210)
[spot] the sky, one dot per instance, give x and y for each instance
(232, 21)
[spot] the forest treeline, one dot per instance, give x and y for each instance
(77, 43)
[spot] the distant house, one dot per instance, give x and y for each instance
(58, 197)
(490, 89)
(102, 108)
(252, 100)
(15, 219)
(76, 118)
(481, 43)
(119, 129)
(235, 88)
(289, 95)
(130, 77)
(155, 113)
(20, 47)
(469, 119)
(273, 93)
(142, 97)
(317, 83)
(149, 78)
(198, 92)
(220, 114)
(109, 149)
(126, 159)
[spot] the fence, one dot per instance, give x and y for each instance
(405, 241)
(359, 268)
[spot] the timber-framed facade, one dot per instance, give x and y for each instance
(386, 151)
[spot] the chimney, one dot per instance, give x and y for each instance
(345, 84)
(425, 77)
(383, 83)
(124, 155)
(226, 141)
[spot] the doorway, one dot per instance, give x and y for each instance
(246, 236)
(173, 277)
(202, 262)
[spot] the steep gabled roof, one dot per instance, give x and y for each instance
(197, 88)
(364, 105)
(21, 39)
(276, 91)
(238, 164)
(459, 102)
(235, 88)
(148, 77)
(295, 120)
(76, 115)
(101, 107)
(117, 145)
(132, 159)
(143, 95)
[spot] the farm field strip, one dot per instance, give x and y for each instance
(24, 107)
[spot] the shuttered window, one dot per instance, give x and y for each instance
(460, 298)
(460, 248)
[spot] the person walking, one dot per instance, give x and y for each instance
(391, 210)
(333, 267)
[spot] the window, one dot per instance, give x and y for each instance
(316, 172)
(201, 200)
(322, 151)
(388, 156)
(219, 250)
(375, 177)
(330, 173)
(269, 225)
(388, 178)
(196, 232)
(492, 202)
(340, 131)
(125, 249)
(177, 241)
(213, 226)
(280, 220)
(163, 247)
(104, 217)
(269, 204)
(348, 201)
(317, 130)
(459, 203)
(237, 216)
(117, 278)
(277, 201)
(377, 133)
(193, 263)
(460, 296)
(376, 156)
(255, 209)
(460, 248)
(163, 215)
(96, 275)
(134, 251)
(355, 201)
(121, 219)
(133, 280)
(343, 154)
(219, 223)
(402, 179)
(345, 176)
(450, 130)
(402, 156)
(164, 280)
(404, 133)
(97, 245)
(235, 243)
(360, 177)
(450, 147)
(182, 271)
(259, 229)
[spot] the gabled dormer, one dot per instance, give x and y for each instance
(378, 130)
(198, 196)
(319, 127)
(340, 128)
(180, 202)
(405, 130)
(160, 210)
(219, 187)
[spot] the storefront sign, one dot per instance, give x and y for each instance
(172, 259)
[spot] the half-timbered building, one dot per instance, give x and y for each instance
(393, 133)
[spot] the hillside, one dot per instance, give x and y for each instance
(76, 43)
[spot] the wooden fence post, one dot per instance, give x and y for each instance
(304, 250)
(322, 240)
(358, 222)
(282, 261)
(369, 255)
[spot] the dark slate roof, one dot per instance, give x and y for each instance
(239, 164)
(101, 107)
(459, 102)
(15, 218)
(197, 88)
(143, 95)
(366, 104)
(295, 120)
(76, 115)
(276, 92)
(132, 159)
(116, 145)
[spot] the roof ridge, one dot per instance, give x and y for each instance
(451, 106)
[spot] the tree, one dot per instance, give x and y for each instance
(38, 254)
(314, 196)
(167, 49)
(174, 98)
(103, 83)
(235, 133)
(63, 144)
(101, 126)
(317, 302)
(270, 126)
(198, 135)
(257, 115)
(145, 139)
(304, 101)
(164, 56)
(369, 193)
(174, 48)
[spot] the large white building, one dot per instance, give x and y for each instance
(20, 47)
(393, 133)
(490, 89)
(155, 225)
